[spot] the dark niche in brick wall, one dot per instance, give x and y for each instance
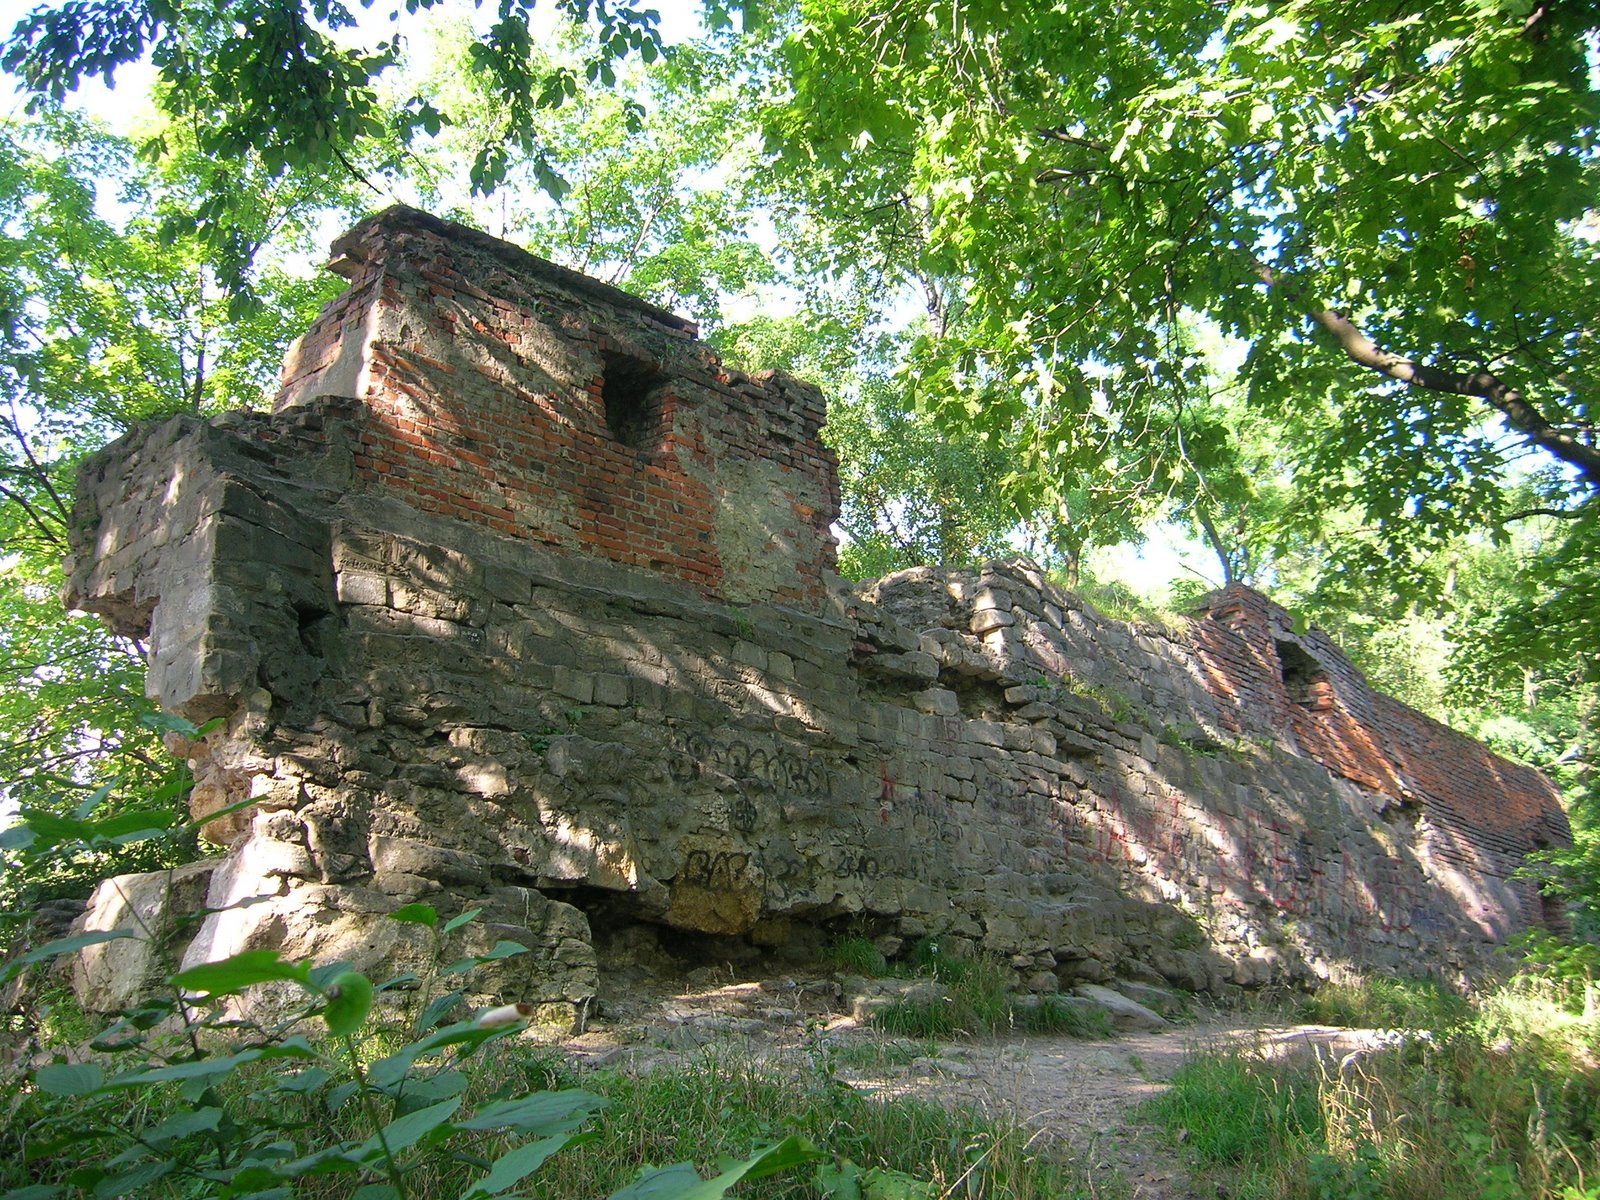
(1304, 678)
(632, 390)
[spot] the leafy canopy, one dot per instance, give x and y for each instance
(294, 84)
(1392, 210)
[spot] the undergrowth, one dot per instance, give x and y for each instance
(341, 1095)
(1381, 1003)
(974, 998)
(1496, 1098)
(721, 1105)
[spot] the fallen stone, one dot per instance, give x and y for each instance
(1158, 999)
(117, 975)
(1124, 1013)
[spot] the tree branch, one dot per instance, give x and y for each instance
(1560, 514)
(1484, 385)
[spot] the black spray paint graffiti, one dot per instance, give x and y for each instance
(757, 773)
(724, 871)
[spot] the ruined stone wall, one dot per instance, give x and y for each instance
(683, 727)
(548, 407)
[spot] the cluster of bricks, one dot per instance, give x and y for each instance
(1488, 812)
(484, 394)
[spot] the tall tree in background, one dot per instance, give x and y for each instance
(1389, 209)
(104, 323)
(658, 191)
(294, 86)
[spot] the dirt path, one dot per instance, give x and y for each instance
(1084, 1095)
(1081, 1096)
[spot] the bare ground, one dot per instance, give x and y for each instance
(1074, 1095)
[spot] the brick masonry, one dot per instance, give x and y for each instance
(520, 600)
(551, 408)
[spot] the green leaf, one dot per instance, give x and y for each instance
(544, 1113)
(456, 922)
(184, 1124)
(436, 1011)
(204, 1068)
(308, 1080)
(421, 1091)
(677, 1182)
(502, 949)
(133, 1183)
(246, 969)
(839, 1183)
(69, 1079)
(33, 1191)
(405, 1132)
(16, 837)
(680, 1182)
(514, 1166)
(349, 1002)
(881, 1184)
(132, 825)
(417, 914)
(66, 945)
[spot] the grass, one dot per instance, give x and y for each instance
(1235, 1108)
(871, 1054)
(1386, 1004)
(976, 1000)
(1497, 1098)
(858, 956)
(721, 1105)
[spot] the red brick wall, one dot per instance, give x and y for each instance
(1485, 813)
(481, 370)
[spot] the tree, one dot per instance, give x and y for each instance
(1391, 209)
(103, 323)
(911, 494)
(294, 86)
(657, 169)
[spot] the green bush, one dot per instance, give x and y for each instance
(185, 1097)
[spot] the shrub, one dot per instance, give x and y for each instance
(182, 1095)
(177, 1095)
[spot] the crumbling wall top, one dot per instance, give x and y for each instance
(366, 244)
(521, 397)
